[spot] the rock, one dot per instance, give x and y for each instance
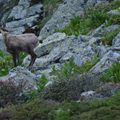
(2, 44)
(5, 8)
(59, 48)
(101, 50)
(106, 61)
(22, 16)
(113, 12)
(100, 31)
(67, 10)
(49, 44)
(97, 31)
(62, 16)
(108, 89)
(22, 77)
(89, 95)
(116, 40)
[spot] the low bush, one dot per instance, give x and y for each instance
(40, 85)
(71, 88)
(107, 109)
(10, 93)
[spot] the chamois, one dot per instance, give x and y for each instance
(20, 43)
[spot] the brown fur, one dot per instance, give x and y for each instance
(20, 43)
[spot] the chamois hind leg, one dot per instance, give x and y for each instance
(14, 59)
(33, 57)
(17, 57)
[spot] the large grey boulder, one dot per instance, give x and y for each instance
(23, 16)
(106, 61)
(5, 8)
(62, 16)
(22, 77)
(58, 48)
(67, 10)
(116, 40)
(2, 44)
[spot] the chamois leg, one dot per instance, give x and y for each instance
(14, 59)
(33, 58)
(17, 57)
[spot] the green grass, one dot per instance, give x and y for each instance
(93, 18)
(115, 19)
(107, 109)
(112, 74)
(6, 62)
(83, 26)
(109, 36)
(70, 68)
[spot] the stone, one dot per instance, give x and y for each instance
(62, 16)
(106, 61)
(21, 76)
(116, 40)
(2, 44)
(113, 12)
(21, 15)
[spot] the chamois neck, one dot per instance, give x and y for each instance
(4, 34)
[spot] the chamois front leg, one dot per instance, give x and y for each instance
(17, 57)
(33, 58)
(14, 59)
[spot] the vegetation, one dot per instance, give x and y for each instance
(10, 93)
(109, 36)
(6, 62)
(106, 109)
(84, 25)
(70, 68)
(71, 88)
(93, 18)
(113, 73)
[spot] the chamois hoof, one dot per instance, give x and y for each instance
(29, 68)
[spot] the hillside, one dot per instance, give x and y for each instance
(76, 75)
